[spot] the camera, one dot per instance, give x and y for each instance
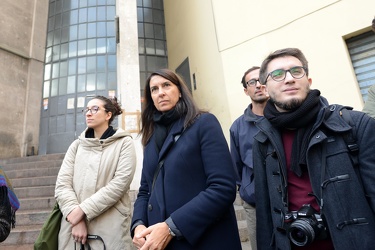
(305, 225)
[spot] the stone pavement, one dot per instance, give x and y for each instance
(246, 245)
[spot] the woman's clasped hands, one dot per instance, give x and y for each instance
(155, 237)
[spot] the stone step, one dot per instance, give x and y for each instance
(240, 212)
(242, 230)
(17, 247)
(32, 217)
(38, 204)
(21, 235)
(32, 182)
(32, 172)
(35, 158)
(35, 192)
(238, 201)
(31, 165)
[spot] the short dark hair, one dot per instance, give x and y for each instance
(243, 81)
(282, 53)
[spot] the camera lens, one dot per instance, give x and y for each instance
(301, 232)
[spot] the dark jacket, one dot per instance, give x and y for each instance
(196, 187)
(242, 134)
(5, 214)
(344, 197)
(369, 107)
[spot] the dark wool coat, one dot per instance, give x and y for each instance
(196, 187)
(343, 194)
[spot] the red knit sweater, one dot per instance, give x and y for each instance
(298, 190)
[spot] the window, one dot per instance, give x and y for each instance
(151, 38)
(80, 60)
(362, 52)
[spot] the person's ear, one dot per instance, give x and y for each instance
(109, 115)
(246, 91)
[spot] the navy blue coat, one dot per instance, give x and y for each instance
(196, 187)
(242, 134)
(348, 193)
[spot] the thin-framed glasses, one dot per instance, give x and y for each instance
(279, 75)
(252, 82)
(93, 110)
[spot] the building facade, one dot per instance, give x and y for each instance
(97, 47)
(222, 39)
(23, 27)
(56, 54)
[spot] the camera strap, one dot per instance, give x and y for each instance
(350, 139)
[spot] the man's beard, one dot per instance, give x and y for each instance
(290, 105)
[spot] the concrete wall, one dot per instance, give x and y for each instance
(12, 102)
(23, 33)
(191, 32)
(224, 38)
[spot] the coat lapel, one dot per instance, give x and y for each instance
(176, 130)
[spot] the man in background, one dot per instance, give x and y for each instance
(242, 132)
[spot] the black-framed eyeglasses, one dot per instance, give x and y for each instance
(252, 82)
(93, 110)
(279, 75)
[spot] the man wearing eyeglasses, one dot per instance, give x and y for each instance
(242, 132)
(314, 189)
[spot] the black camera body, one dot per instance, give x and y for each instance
(305, 225)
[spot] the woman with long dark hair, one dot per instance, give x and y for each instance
(188, 186)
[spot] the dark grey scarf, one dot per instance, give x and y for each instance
(301, 119)
(162, 124)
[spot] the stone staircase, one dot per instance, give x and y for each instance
(33, 179)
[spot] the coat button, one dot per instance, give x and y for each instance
(149, 207)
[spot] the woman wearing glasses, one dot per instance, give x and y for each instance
(188, 185)
(93, 183)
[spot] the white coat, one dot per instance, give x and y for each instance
(96, 175)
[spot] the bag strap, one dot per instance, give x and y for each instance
(350, 137)
(161, 162)
(90, 237)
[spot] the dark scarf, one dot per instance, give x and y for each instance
(162, 125)
(301, 119)
(108, 133)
